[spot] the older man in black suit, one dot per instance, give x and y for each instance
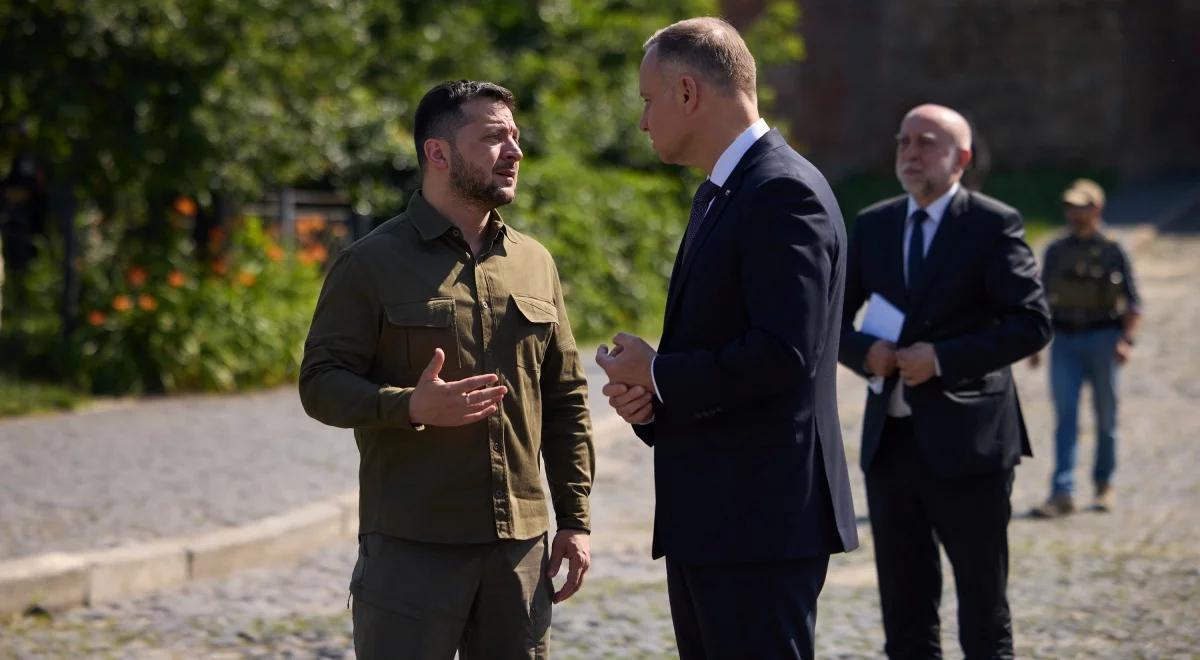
(739, 402)
(942, 434)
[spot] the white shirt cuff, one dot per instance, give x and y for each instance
(654, 381)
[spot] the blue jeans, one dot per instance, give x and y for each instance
(1076, 357)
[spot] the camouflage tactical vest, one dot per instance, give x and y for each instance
(1086, 285)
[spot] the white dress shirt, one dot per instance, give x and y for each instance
(896, 405)
(719, 175)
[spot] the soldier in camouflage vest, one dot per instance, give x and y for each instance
(1095, 306)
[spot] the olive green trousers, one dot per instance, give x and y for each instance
(416, 600)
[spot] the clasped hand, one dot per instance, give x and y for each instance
(916, 364)
(630, 388)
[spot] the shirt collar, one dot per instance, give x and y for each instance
(935, 210)
(430, 224)
(734, 152)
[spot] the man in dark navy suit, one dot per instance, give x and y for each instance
(739, 402)
(942, 434)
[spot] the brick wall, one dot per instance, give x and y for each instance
(1099, 83)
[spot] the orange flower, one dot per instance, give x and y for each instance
(176, 279)
(216, 238)
(308, 225)
(274, 252)
(122, 303)
(136, 276)
(314, 253)
(185, 206)
(219, 266)
(247, 278)
(96, 317)
(147, 302)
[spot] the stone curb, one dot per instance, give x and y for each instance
(58, 580)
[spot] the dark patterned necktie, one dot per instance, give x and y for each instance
(916, 247)
(704, 196)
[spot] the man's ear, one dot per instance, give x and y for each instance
(437, 153)
(964, 157)
(688, 93)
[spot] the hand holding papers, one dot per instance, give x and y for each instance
(882, 319)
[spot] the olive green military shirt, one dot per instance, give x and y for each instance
(408, 287)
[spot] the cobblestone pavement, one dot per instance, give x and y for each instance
(1120, 585)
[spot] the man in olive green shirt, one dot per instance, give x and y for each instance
(442, 339)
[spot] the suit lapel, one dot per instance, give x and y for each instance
(764, 145)
(893, 262)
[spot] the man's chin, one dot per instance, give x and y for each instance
(915, 187)
(504, 196)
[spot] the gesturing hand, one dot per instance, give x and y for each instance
(634, 404)
(574, 546)
(437, 403)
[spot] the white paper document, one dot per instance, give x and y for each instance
(882, 319)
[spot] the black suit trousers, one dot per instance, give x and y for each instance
(763, 610)
(912, 510)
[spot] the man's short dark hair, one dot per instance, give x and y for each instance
(710, 48)
(440, 114)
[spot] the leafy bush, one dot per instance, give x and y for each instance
(227, 99)
(20, 397)
(613, 233)
(166, 322)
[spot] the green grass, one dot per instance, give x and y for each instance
(1036, 193)
(21, 397)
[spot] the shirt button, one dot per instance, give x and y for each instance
(485, 304)
(499, 493)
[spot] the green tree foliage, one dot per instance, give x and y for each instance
(137, 101)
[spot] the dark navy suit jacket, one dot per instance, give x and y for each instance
(979, 301)
(748, 457)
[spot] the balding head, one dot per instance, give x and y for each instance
(950, 121)
(933, 148)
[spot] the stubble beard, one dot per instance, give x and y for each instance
(473, 185)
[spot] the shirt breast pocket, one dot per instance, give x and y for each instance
(413, 330)
(532, 327)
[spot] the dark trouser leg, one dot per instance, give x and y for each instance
(511, 616)
(971, 517)
(688, 640)
(906, 553)
(411, 600)
(762, 610)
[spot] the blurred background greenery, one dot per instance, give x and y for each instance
(142, 128)
(140, 138)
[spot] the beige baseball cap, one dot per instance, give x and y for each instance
(1084, 192)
